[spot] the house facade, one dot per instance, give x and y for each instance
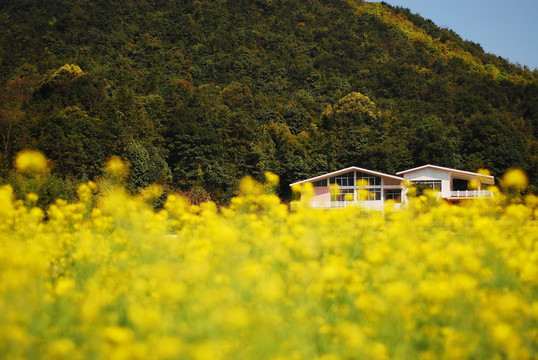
(354, 186)
(452, 184)
(371, 189)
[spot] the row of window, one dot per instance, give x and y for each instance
(372, 180)
(348, 179)
(435, 185)
(364, 179)
(320, 183)
(369, 194)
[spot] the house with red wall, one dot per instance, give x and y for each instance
(354, 186)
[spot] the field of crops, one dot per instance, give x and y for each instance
(108, 277)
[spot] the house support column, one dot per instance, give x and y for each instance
(355, 195)
(382, 190)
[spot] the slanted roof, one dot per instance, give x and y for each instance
(346, 170)
(459, 174)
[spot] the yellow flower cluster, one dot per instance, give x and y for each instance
(31, 162)
(515, 178)
(108, 277)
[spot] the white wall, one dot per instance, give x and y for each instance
(432, 174)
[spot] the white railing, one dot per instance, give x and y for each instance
(471, 193)
(328, 204)
(378, 204)
(331, 204)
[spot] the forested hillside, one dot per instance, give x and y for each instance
(196, 94)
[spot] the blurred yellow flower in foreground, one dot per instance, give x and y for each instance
(515, 178)
(272, 179)
(108, 276)
(117, 167)
(31, 162)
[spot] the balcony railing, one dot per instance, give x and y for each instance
(377, 204)
(470, 193)
(330, 204)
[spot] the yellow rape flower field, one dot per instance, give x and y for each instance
(108, 277)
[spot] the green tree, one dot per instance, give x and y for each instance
(491, 141)
(353, 109)
(432, 142)
(74, 141)
(146, 166)
(14, 96)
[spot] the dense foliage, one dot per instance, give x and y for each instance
(195, 94)
(107, 277)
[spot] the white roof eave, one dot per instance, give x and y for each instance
(343, 171)
(466, 175)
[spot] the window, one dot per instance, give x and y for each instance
(369, 194)
(342, 195)
(460, 184)
(373, 194)
(320, 183)
(363, 179)
(343, 180)
(435, 185)
(393, 194)
(367, 179)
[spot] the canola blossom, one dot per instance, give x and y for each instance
(31, 161)
(109, 277)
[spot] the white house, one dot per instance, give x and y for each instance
(354, 185)
(452, 184)
(367, 188)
